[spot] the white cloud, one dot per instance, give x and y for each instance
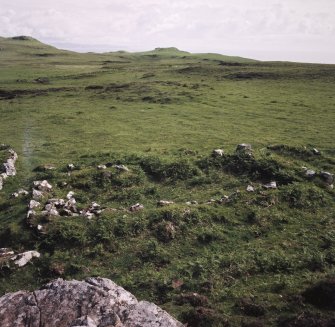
(267, 28)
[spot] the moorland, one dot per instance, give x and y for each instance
(227, 248)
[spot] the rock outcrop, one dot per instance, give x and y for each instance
(95, 302)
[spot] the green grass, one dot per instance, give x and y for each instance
(161, 113)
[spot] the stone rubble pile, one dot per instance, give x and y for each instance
(8, 167)
(21, 259)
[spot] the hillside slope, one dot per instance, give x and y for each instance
(128, 187)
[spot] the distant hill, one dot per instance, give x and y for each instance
(25, 45)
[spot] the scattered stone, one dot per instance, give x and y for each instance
(39, 227)
(13, 155)
(9, 166)
(31, 214)
(250, 188)
(121, 167)
(218, 152)
(271, 185)
(20, 192)
(316, 151)
(47, 167)
(163, 203)
(327, 177)
(223, 200)
(189, 203)
(244, 148)
(4, 176)
(57, 304)
(136, 207)
(43, 185)
(34, 204)
(37, 195)
(310, 173)
(70, 195)
(5, 252)
(71, 166)
(87, 214)
(211, 201)
(102, 167)
(23, 258)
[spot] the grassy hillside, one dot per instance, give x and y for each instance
(248, 256)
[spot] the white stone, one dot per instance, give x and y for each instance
(43, 185)
(37, 195)
(4, 176)
(244, 147)
(271, 185)
(5, 252)
(31, 214)
(310, 173)
(70, 195)
(136, 207)
(34, 204)
(250, 188)
(23, 258)
(71, 166)
(163, 203)
(121, 167)
(101, 167)
(218, 152)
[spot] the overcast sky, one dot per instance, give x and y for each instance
(296, 30)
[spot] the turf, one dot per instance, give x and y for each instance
(161, 113)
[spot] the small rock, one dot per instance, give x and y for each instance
(218, 152)
(87, 214)
(31, 214)
(136, 207)
(9, 166)
(70, 195)
(34, 204)
(163, 203)
(43, 185)
(39, 227)
(271, 185)
(13, 155)
(48, 167)
(71, 166)
(102, 167)
(37, 195)
(20, 192)
(4, 252)
(316, 151)
(250, 188)
(244, 148)
(4, 176)
(1, 183)
(327, 177)
(193, 202)
(211, 201)
(224, 199)
(310, 173)
(23, 258)
(53, 212)
(121, 167)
